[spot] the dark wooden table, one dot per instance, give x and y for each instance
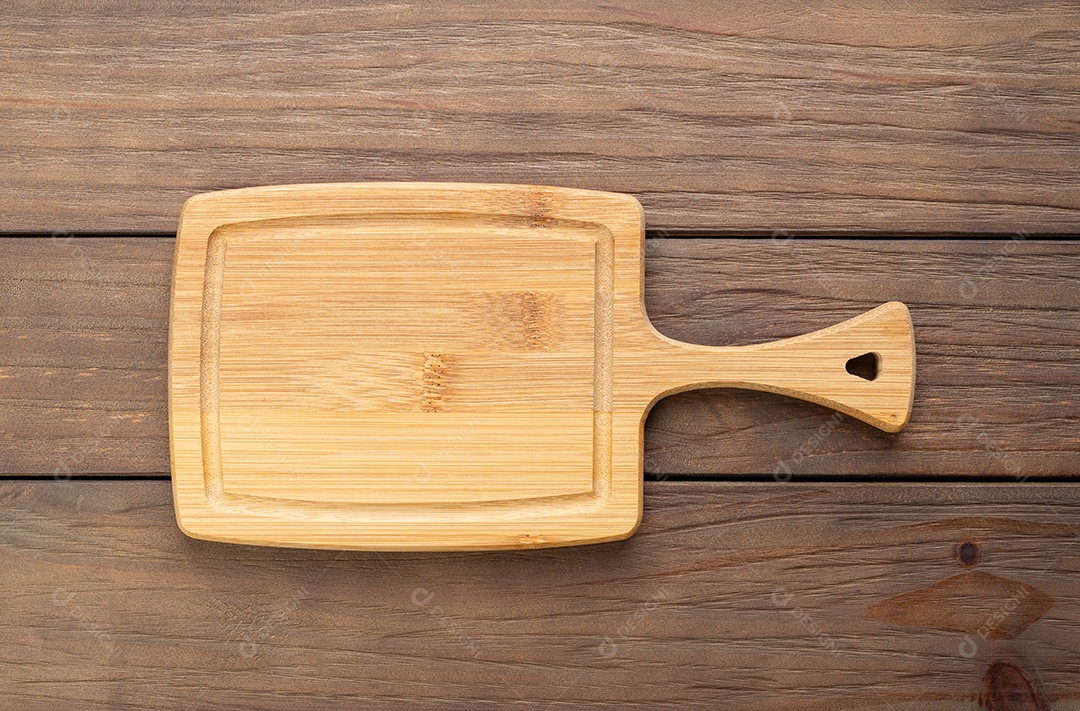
(799, 163)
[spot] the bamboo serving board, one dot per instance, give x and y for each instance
(424, 366)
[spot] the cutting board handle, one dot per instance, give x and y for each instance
(811, 367)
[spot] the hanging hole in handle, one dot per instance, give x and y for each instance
(867, 366)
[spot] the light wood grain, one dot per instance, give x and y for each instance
(723, 117)
(84, 365)
(839, 597)
(425, 366)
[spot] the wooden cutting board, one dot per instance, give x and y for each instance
(423, 366)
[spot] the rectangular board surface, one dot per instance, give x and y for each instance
(402, 366)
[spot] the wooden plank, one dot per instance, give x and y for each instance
(741, 596)
(83, 334)
(997, 324)
(729, 117)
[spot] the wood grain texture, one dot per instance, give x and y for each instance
(83, 330)
(803, 597)
(910, 117)
(84, 365)
(726, 118)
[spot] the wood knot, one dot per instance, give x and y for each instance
(967, 553)
(536, 320)
(541, 207)
(524, 319)
(433, 382)
(1007, 687)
